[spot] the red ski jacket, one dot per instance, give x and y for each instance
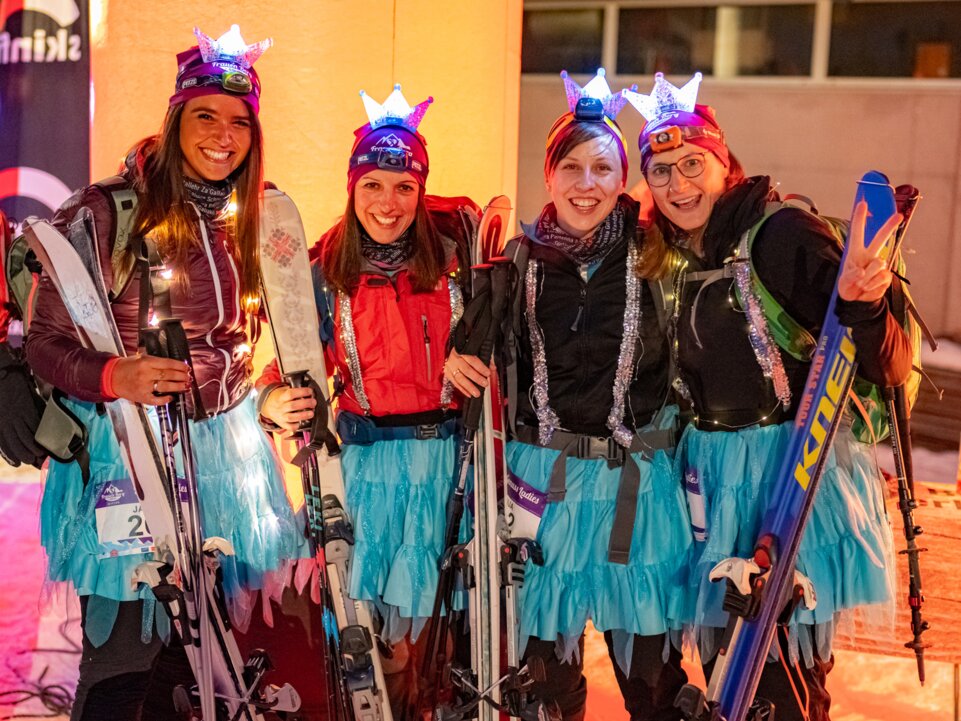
(401, 336)
(210, 308)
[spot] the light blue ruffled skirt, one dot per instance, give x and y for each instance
(242, 499)
(397, 494)
(847, 548)
(577, 582)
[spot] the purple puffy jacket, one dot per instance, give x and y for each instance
(209, 306)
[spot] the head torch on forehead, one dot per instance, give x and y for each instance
(233, 81)
(397, 160)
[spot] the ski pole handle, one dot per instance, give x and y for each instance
(177, 346)
(152, 343)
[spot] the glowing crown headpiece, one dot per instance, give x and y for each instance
(665, 97)
(230, 48)
(596, 89)
(674, 117)
(395, 110)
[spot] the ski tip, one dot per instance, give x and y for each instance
(875, 177)
(500, 202)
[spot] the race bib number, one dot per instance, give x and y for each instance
(524, 506)
(121, 526)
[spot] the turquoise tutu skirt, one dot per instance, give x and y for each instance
(397, 493)
(242, 499)
(846, 550)
(577, 582)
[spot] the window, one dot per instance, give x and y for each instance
(745, 38)
(773, 39)
(878, 39)
(720, 40)
(676, 41)
(555, 40)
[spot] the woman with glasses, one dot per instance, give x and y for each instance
(176, 188)
(387, 278)
(591, 461)
(744, 391)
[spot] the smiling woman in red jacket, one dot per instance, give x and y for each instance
(386, 280)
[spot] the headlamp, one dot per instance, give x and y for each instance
(395, 159)
(589, 109)
(233, 81)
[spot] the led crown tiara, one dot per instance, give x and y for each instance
(665, 97)
(598, 89)
(230, 48)
(395, 110)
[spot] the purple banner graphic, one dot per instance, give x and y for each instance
(44, 104)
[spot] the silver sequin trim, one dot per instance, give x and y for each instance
(625, 359)
(547, 420)
(456, 311)
(765, 349)
(349, 340)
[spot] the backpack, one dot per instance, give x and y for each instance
(871, 422)
(60, 432)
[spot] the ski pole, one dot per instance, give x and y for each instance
(896, 402)
(178, 349)
(476, 320)
(477, 335)
(314, 434)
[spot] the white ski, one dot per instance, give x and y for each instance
(292, 313)
(75, 272)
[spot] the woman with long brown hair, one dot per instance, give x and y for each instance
(189, 198)
(387, 282)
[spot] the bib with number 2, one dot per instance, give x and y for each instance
(121, 526)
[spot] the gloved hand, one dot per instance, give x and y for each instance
(22, 408)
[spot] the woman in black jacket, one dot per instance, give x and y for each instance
(591, 461)
(744, 389)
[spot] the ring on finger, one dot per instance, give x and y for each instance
(455, 373)
(155, 390)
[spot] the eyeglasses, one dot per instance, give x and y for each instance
(690, 166)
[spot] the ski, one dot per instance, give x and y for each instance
(225, 683)
(760, 588)
(355, 673)
(490, 469)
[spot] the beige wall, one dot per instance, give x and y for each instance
(466, 54)
(816, 139)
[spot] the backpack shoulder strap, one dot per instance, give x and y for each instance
(123, 200)
(518, 249)
(789, 335)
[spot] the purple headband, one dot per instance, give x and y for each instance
(390, 140)
(389, 147)
(674, 117)
(670, 131)
(220, 67)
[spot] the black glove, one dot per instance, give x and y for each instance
(22, 408)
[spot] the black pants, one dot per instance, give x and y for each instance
(648, 690)
(126, 679)
(806, 700)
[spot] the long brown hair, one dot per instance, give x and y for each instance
(342, 259)
(163, 212)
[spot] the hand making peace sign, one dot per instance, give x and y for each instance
(865, 275)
